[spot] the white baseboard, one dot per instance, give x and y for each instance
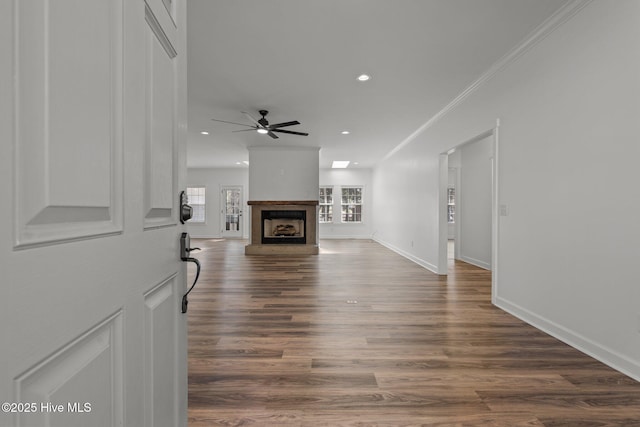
(605, 355)
(476, 262)
(431, 267)
(345, 236)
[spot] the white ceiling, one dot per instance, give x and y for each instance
(299, 59)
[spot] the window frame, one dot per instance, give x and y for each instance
(198, 207)
(344, 207)
(451, 205)
(325, 204)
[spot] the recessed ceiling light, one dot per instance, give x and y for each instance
(204, 132)
(340, 164)
(364, 77)
(356, 163)
(345, 132)
(262, 131)
(238, 163)
(246, 162)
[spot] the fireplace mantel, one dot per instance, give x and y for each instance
(257, 246)
(280, 202)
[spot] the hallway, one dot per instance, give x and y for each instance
(359, 335)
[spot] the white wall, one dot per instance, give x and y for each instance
(568, 152)
(474, 203)
(348, 177)
(411, 176)
(283, 173)
(212, 179)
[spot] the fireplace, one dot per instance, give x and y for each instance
(283, 227)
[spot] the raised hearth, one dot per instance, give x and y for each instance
(283, 227)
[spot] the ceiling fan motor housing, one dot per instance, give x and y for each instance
(263, 121)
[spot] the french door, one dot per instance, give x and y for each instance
(232, 209)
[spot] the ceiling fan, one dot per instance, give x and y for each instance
(262, 125)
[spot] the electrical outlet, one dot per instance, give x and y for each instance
(503, 210)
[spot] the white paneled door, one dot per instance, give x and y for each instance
(92, 129)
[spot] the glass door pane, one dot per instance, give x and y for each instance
(232, 211)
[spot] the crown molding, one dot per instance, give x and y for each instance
(562, 15)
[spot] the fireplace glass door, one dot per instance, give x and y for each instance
(280, 226)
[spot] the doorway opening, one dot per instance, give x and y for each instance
(468, 204)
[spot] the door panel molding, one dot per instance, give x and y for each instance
(68, 115)
(161, 188)
(162, 13)
(158, 30)
(160, 340)
(94, 362)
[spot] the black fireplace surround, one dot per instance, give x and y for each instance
(284, 227)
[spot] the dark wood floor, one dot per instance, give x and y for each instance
(359, 336)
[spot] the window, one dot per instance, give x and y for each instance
(196, 201)
(351, 204)
(326, 204)
(451, 205)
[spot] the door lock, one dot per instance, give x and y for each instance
(186, 211)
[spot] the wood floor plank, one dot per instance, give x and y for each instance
(359, 336)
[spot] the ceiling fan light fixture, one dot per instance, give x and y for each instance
(263, 131)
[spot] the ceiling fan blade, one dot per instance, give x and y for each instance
(272, 135)
(257, 123)
(244, 130)
(281, 125)
(233, 123)
(290, 132)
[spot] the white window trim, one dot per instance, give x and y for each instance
(332, 204)
(361, 204)
(204, 221)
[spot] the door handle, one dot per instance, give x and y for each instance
(185, 250)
